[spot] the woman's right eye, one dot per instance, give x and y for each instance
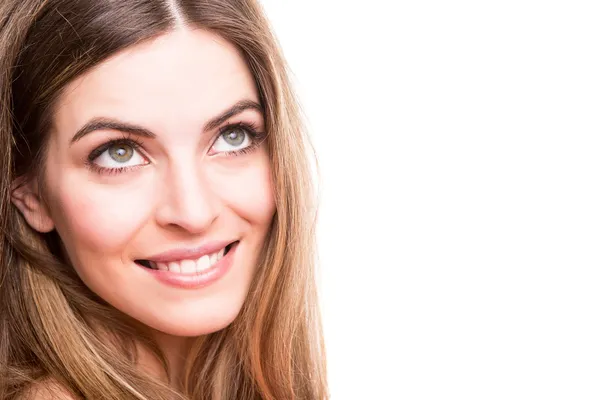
(117, 155)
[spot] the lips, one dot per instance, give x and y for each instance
(178, 279)
(188, 261)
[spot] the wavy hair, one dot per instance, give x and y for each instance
(49, 320)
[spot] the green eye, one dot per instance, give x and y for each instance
(235, 138)
(116, 156)
(121, 152)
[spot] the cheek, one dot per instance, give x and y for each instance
(100, 218)
(249, 193)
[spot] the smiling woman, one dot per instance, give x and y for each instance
(157, 213)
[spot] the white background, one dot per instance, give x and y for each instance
(459, 228)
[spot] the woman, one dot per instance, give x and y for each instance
(157, 213)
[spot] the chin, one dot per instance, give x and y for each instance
(197, 322)
(186, 329)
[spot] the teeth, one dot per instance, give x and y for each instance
(214, 257)
(203, 263)
(190, 266)
(162, 266)
(174, 267)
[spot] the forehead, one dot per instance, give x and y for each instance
(183, 76)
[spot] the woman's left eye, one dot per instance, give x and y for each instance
(234, 139)
(118, 155)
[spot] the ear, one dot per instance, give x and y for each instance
(26, 198)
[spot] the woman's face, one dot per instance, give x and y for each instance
(136, 216)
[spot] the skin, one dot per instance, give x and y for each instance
(185, 191)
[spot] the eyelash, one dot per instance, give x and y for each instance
(249, 128)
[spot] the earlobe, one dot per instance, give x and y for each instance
(25, 197)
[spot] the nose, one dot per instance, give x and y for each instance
(187, 200)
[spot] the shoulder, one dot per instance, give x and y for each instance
(46, 390)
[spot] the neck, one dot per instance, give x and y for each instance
(176, 350)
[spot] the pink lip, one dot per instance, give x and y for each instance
(197, 280)
(189, 254)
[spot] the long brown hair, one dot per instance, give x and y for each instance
(49, 319)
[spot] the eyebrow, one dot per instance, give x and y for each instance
(103, 123)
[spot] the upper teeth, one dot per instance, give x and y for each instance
(190, 266)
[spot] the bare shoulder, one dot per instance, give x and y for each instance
(46, 390)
